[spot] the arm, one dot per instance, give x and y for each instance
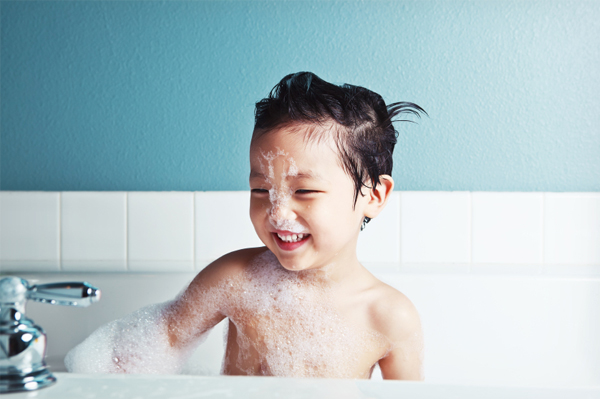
(159, 338)
(200, 307)
(405, 358)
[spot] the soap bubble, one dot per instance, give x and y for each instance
(137, 343)
(288, 323)
(283, 323)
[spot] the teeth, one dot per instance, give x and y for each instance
(291, 238)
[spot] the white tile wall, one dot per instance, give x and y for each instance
(572, 228)
(379, 242)
(507, 227)
(222, 224)
(160, 231)
(436, 227)
(94, 231)
(172, 231)
(29, 230)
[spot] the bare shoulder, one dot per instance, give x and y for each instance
(204, 293)
(228, 266)
(393, 314)
(196, 310)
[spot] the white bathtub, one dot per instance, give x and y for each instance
(514, 326)
(78, 386)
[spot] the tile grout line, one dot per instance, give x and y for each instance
(127, 231)
(60, 231)
(543, 232)
(194, 231)
(470, 230)
(400, 228)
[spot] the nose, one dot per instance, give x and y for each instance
(281, 210)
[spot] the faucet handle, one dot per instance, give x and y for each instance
(77, 293)
(23, 343)
(15, 291)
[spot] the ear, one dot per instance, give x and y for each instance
(378, 197)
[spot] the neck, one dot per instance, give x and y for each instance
(336, 272)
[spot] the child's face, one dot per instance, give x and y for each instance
(302, 200)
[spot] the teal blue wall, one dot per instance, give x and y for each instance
(159, 95)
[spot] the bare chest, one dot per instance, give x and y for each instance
(290, 328)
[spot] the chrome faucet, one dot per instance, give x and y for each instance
(23, 343)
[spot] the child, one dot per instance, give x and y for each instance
(302, 306)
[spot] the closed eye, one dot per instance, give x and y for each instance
(259, 191)
(306, 191)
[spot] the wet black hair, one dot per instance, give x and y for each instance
(362, 122)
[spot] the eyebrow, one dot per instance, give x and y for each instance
(307, 175)
(257, 175)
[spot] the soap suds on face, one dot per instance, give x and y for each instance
(289, 225)
(280, 194)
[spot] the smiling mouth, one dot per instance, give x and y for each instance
(291, 237)
(290, 241)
